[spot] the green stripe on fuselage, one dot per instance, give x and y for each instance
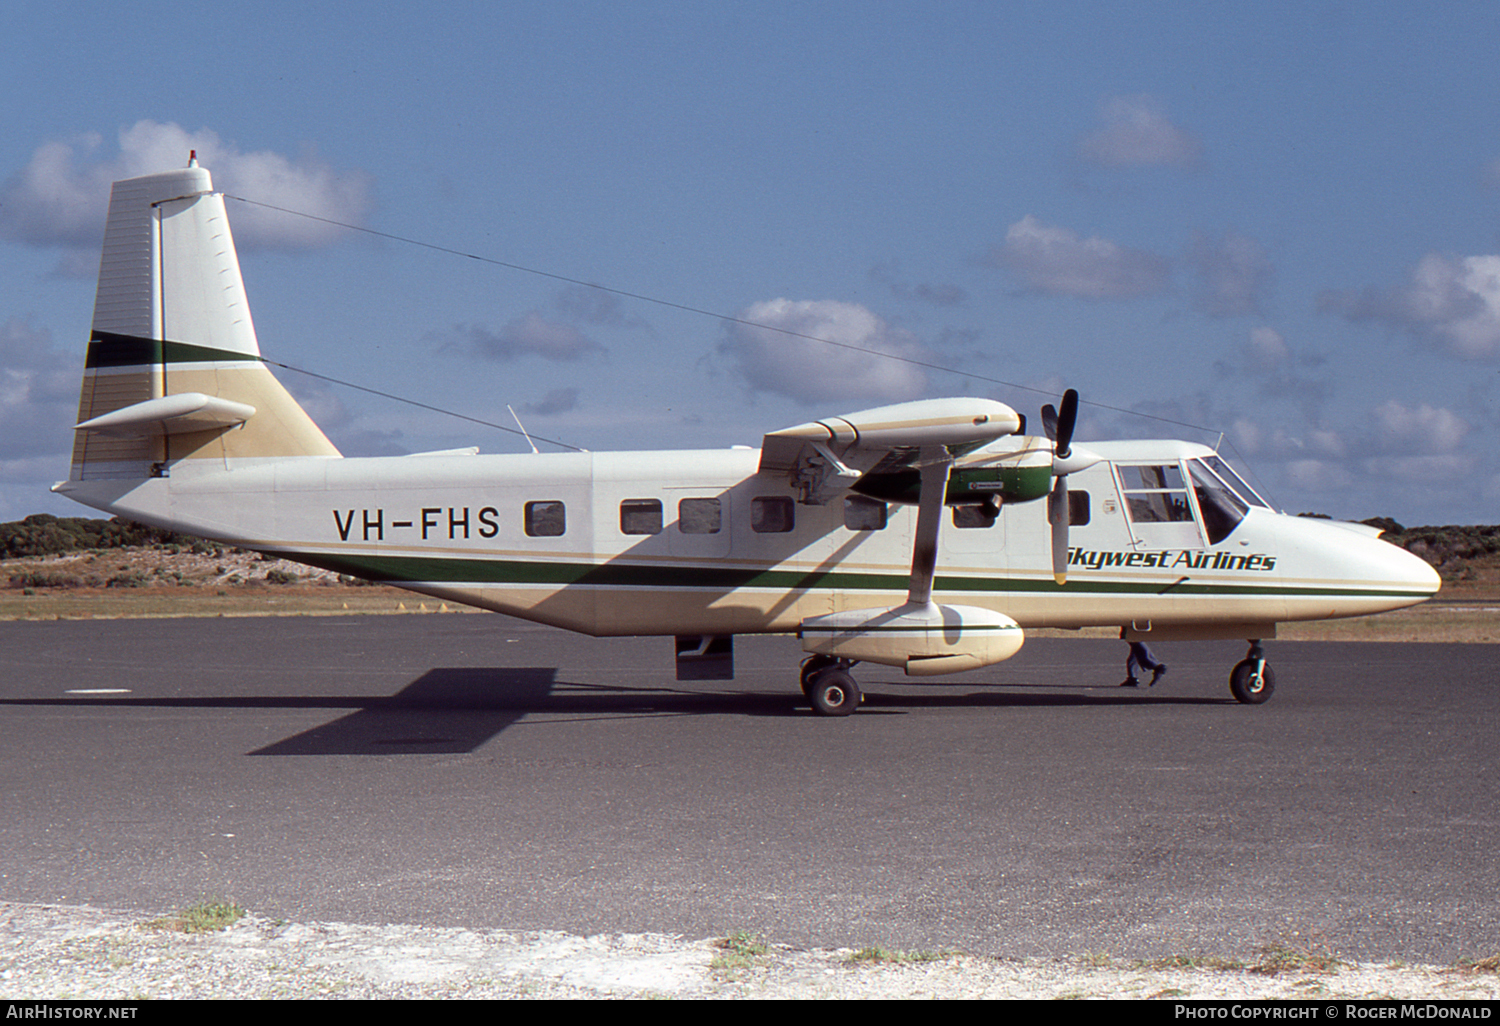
(505, 572)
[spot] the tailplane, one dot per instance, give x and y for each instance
(174, 371)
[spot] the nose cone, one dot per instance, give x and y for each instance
(1367, 574)
(1405, 571)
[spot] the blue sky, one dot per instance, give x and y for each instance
(1276, 221)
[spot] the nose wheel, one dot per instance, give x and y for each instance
(1253, 680)
(829, 686)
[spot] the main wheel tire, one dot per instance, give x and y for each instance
(833, 693)
(1248, 688)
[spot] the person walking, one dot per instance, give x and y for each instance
(1140, 658)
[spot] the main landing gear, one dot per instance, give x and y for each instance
(829, 685)
(1253, 680)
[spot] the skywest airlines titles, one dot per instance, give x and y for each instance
(1170, 559)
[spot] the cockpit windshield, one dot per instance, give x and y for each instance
(1222, 509)
(1234, 481)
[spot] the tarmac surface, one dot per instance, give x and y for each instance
(475, 771)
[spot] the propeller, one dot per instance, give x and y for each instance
(1059, 427)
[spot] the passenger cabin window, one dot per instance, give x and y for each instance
(546, 519)
(1079, 512)
(862, 514)
(699, 516)
(771, 514)
(1155, 494)
(640, 516)
(1222, 509)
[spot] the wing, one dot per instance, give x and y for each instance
(825, 458)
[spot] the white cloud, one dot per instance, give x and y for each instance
(38, 407)
(802, 367)
(60, 196)
(1397, 457)
(1392, 429)
(1234, 272)
(528, 335)
(557, 400)
(1267, 349)
(1327, 442)
(1247, 436)
(890, 276)
(1421, 429)
(1427, 470)
(1136, 132)
(597, 307)
(347, 429)
(1287, 442)
(38, 394)
(1056, 261)
(1278, 372)
(1451, 302)
(1317, 475)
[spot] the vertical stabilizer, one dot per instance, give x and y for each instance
(171, 322)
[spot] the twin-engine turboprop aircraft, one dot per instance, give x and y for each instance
(926, 535)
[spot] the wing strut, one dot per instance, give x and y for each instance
(920, 636)
(936, 464)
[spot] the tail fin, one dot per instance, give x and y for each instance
(174, 371)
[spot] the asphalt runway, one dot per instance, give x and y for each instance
(471, 770)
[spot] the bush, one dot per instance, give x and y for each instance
(45, 579)
(1441, 546)
(43, 534)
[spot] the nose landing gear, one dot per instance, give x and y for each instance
(1253, 680)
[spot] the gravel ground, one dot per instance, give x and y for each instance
(58, 952)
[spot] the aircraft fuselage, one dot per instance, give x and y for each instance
(699, 542)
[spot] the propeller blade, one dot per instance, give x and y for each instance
(1059, 427)
(1067, 419)
(1057, 516)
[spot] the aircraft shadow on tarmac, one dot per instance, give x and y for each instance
(454, 710)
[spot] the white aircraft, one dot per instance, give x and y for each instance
(926, 535)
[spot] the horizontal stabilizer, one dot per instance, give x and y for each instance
(468, 450)
(171, 415)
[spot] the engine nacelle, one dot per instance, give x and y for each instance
(922, 639)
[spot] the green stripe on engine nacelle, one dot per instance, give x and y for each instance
(966, 486)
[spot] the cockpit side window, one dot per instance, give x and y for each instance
(1222, 508)
(1155, 494)
(1157, 504)
(1234, 481)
